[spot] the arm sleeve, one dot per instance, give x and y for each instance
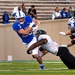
(40, 37)
(16, 27)
(28, 19)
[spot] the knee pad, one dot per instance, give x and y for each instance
(73, 42)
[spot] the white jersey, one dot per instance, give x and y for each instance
(15, 10)
(50, 45)
(56, 15)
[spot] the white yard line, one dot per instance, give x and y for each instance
(47, 62)
(49, 69)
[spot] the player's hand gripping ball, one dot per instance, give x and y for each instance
(29, 52)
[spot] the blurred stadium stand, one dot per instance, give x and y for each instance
(44, 7)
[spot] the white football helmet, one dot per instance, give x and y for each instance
(19, 14)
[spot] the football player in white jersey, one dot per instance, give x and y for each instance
(71, 31)
(46, 44)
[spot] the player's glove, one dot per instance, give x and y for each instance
(31, 24)
(62, 33)
(34, 28)
(29, 52)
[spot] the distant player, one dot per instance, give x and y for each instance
(46, 45)
(71, 31)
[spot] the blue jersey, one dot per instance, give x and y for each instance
(16, 26)
(63, 14)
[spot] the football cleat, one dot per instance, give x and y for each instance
(42, 67)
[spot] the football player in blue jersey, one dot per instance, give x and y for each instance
(71, 30)
(24, 27)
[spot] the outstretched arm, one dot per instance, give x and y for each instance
(72, 30)
(65, 33)
(40, 42)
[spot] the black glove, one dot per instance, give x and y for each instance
(29, 52)
(72, 36)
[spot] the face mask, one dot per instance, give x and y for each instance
(22, 22)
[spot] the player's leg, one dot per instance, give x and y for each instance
(42, 52)
(67, 58)
(35, 54)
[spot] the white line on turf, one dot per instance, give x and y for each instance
(47, 62)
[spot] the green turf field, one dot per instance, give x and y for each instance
(32, 68)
